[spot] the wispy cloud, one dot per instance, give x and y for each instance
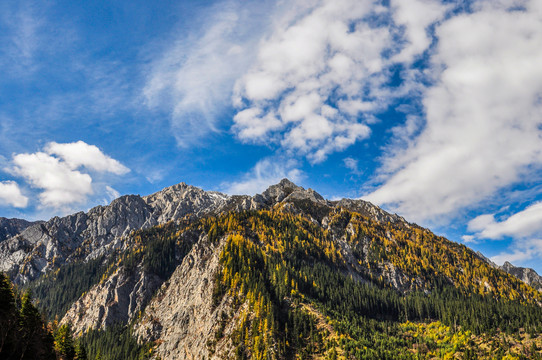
(307, 77)
(521, 252)
(53, 77)
(22, 25)
(353, 165)
(523, 227)
(193, 77)
(483, 114)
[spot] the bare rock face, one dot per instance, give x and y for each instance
(182, 317)
(179, 200)
(116, 300)
(287, 191)
(527, 275)
(43, 246)
(11, 227)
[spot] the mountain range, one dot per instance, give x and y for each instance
(191, 274)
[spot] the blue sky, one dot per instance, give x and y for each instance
(431, 109)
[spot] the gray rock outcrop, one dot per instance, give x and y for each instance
(11, 227)
(527, 275)
(182, 316)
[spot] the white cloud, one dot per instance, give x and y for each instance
(468, 239)
(265, 173)
(320, 76)
(307, 76)
(513, 257)
(82, 154)
(10, 194)
(325, 54)
(416, 16)
(60, 183)
(483, 129)
(57, 173)
(194, 78)
(520, 225)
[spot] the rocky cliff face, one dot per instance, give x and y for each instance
(117, 300)
(120, 297)
(42, 247)
(11, 227)
(528, 276)
(182, 315)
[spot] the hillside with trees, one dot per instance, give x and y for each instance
(301, 278)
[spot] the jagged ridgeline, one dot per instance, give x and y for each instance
(282, 275)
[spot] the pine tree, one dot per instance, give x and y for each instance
(8, 316)
(33, 334)
(64, 343)
(80, 352)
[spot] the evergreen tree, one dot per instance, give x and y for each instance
(8, 316)
(64, 342)
(34, 337)
(80, 352)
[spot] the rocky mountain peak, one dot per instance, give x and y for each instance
(527, 275)
(286, 191)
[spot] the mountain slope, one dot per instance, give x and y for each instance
(283, 274)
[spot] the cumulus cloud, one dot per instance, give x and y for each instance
(328, 54)
(266, 172)
(82, 154)
(60, 179)
(415, 16)
(61, 184)
(483, 129)
(10, 194)
(318, 79)
(306, 76)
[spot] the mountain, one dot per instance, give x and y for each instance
(185, 273)
(11, 227)
(527, 275)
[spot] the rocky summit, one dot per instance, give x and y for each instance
(191, 274)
